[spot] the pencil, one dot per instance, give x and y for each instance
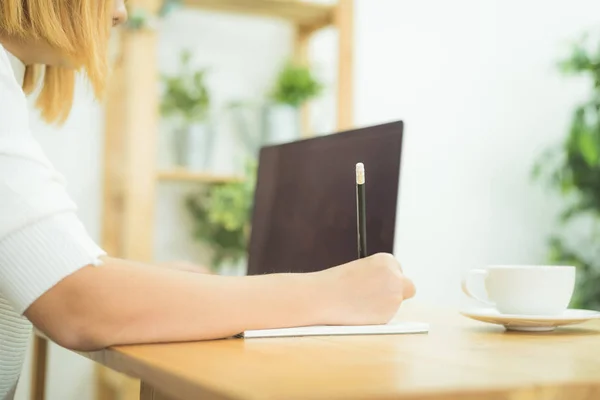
(361, 218)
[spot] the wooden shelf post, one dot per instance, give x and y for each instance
(344, 21)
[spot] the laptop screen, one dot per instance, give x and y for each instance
(304, 215)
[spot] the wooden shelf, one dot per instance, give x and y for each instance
(183, 175)
(306, 14)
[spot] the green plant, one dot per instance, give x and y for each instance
(221, 214)
(295, 85)
(141, 19)
(573, 169)
(169, 6)
(186, 96)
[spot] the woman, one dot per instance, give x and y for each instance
(55, 277)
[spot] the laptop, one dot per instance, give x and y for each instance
(304, 214)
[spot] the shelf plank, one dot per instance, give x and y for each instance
(307, 14)
(183, 175)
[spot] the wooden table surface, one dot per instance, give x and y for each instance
(458, 359)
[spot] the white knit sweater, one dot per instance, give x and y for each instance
(41, 239)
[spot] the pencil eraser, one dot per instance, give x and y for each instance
(360, 173)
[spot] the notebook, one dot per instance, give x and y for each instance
(392, 328)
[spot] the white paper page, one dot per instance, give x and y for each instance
(325, 330)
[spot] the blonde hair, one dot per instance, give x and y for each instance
(79, 29)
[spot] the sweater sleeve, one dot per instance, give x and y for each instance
(41, 239)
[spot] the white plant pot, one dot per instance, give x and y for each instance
(282, 123)
(192, 146)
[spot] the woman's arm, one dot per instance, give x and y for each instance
(48, 273)
(123, 303)
(48, 269)
(180, 265)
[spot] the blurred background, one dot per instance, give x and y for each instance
(502, 142)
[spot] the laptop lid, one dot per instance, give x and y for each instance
(304, 214)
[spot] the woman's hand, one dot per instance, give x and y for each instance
(366, 291)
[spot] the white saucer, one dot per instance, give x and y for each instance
(530, 323)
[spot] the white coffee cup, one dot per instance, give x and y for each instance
(523, 289)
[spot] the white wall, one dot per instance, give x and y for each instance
(473, 80)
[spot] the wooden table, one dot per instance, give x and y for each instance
(458, 359)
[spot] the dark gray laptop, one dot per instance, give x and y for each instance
(304, 216)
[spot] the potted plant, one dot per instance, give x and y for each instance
(572, 169)
(295, 86)
(186, 104)
(221, 214)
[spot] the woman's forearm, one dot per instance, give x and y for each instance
(122, 303)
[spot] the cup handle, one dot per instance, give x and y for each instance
(468, 290)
